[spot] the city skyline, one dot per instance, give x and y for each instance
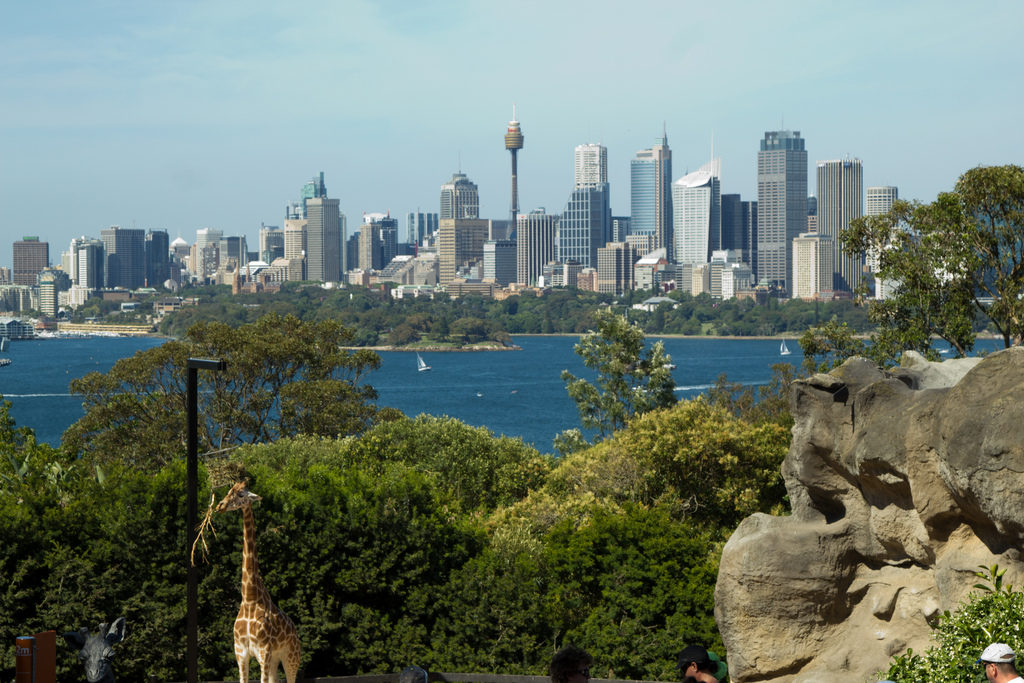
(148, 116)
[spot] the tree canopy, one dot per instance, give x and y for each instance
(948, 263)
(284, 377)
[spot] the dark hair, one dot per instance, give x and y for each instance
(567, 661)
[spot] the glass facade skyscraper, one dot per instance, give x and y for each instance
(782, 204)
(650, 194)
(840, 200)
(697, 214)
(585, 225)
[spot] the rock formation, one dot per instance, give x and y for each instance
(901, 484)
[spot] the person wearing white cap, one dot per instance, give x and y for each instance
(998, 660)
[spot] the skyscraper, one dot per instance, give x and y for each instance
(878, 202)
(781, 204)
(697, 214)
(207, 253)
(650, 193)
(459, 241)
(459, 198)
(271, 243)
(420, 226)
(812, 265)
(30, 257)
(591, 165)
(615, 267)
(514, 143)
(585, 225)
(323, 240)
(500, 261)
(840, 200)
(535, 244)
(125, 250)
(158, 257)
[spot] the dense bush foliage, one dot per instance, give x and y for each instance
(420, 541)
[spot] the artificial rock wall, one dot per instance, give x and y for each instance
(901, 484)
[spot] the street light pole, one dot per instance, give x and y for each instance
(192, 506)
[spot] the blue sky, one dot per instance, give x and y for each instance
(181, 115)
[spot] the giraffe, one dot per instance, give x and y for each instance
(261, 628)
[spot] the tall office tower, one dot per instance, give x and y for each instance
(234, 250)
(500, 261)
(585, 225)
(125, 250)
(782, 204)
(459, 198)
(388, 239)
(30, 257)
(813, 265)
(812, 214)
(69, 258)
(878, 202)
(615, 268)
(535, 244)
(271, 243)
(459, 241)
(732, 222)
(697, 213)
(514, 143)
(880, 199)
(158, 257)
(323, 239)
(420, 226)
(591, 165)
(370, 252)
(749, 212)
(621, 226)
(295, 238)
(204, 265)
(650, 194)
(314, 189)
(840, 200)
(89, 263)
(352, 251)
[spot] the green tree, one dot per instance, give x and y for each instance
(827, 346)
(630, 380)
(951, 261)
(283, 377)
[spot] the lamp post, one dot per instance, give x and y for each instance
(192, 484)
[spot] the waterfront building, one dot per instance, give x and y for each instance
(697, 209)
(782, 205)
(125, 251)
(30, 257)
(840, 200)
(459, 198)
(650, 194)
(535, 244)
(813, 265)
(323, 239)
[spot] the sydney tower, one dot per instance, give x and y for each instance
(514, 143)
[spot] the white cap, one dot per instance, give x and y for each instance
(998, 652)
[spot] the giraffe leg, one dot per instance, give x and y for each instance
(268, 668)
(291, 665)
(243, 667)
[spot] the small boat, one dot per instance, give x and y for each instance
(669, 366)
(4, 362)
(783, 349)
(421, 365)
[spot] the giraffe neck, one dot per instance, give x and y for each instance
(252, 585)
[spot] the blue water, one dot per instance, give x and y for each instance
(516, 393)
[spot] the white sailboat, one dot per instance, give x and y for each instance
(421, 365)
(783, 349)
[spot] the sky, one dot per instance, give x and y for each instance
(182, 115)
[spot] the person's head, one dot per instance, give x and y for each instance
(570, 665)
(998, 660)
(699, 665)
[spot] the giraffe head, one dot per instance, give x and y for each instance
(238, 497)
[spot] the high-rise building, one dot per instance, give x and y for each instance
(323, 239)
(591, 165)
(650, 194)
(732, 222)
(514, 143)
(295, 238)
(420, 226)
(271, 243)
(315, 188)
(30, 257)
(535, 244)
(500, 261)
(749, 213)
(813, 265)
(621, 226)
(234, 250)
(840, 200)
(207, 259)
(782, 204)
(370, 252)
(880, 199)
(615, 267)
(158, 257)
(125, 250)
(459, 242)
(459, 198)
(697, 213)
(585, 225)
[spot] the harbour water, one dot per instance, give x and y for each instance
(516, 393)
